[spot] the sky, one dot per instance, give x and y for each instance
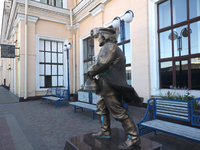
(1, 12)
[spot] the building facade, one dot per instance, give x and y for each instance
(161, 44)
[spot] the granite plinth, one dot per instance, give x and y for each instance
(87, 142)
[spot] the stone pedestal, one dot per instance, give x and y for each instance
(87, 142)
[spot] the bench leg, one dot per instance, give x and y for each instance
(67, 102)
(92, 114)
(56, 104)
(81, 109)
(154, 132)
(75, 109)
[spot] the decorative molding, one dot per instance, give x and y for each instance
(68, 26)
(84, 17)
(97, 10)
(81, 6)
(14, 30)
(35, 6)
(76, 26)
(43, 14)
(105, 1)
(21, 17)
(48, 8)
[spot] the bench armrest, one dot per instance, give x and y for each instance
(195, 112)
(48, 92)
(150, 113)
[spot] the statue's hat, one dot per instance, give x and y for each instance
(110, 30)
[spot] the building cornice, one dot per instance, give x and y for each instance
(21, 17)
(97, 10)
(93, 8)
(34, 5)
(81, 6)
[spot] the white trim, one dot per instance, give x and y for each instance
(97, 10)
(81, 6)
(84, 17)
(21, 17)
(105, 1)
(153, 48)
(81, 58)
(65, 4)
(85, 10)
(47, 8)
(51, 38)
(46, 15)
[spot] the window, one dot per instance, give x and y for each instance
(88, 53)
(57, 3)
(50, 64)
(127, 50)
(179, 43)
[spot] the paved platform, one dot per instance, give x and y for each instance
(34, 126)
(5, 96)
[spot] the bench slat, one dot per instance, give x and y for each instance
(171, 101)
(181, 130)
(172, 104)
(165, 106)
(176, 116)
(84, 105)
(173, 112)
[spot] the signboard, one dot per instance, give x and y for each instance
(7, 51)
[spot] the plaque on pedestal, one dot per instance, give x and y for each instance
(87, 142)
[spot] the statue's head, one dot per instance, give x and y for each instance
(106, 35)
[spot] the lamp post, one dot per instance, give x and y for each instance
(67, 48)
(118, 22)
(184, 33)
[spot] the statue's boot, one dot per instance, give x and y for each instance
(105, 128)
(131, 131)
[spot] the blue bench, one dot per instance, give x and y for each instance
(158, 109)
(57, 95)
(86, 100)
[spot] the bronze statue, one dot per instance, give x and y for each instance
(114, 90)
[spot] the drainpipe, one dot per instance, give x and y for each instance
(73, 48)
(26, 47)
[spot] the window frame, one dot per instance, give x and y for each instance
(89, 59)
(176, 58)
(51, 38)
(51, 64)
(48, 3)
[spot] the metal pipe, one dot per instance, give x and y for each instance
(68, 91)
(73, 43)
(26, 47)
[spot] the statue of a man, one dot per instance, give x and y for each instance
(114, 90)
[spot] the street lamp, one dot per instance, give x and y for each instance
(67, 48)
(116, 23)
(184, 33)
